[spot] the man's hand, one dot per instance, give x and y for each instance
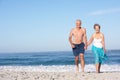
(73, 46)
(85, 47)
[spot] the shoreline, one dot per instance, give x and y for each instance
(60, 68)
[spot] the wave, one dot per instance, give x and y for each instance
(60, 68)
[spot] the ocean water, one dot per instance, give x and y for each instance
(52, 61)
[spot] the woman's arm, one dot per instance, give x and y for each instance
(103, 42)
(90, 41)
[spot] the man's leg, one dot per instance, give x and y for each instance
(82, 61)
(76, 62)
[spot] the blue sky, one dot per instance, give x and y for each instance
(44, 25)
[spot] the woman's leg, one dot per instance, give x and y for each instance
(99, 67)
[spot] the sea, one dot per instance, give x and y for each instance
(61, 61)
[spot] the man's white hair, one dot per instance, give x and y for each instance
(78, 20)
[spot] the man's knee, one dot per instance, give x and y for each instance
(82, 56)
(76, 58)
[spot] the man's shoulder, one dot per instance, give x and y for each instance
(72, 29)
(84, 29)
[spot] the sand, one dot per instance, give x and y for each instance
(36, 75)
(58, 73)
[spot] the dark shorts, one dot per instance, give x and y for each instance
(79, 48)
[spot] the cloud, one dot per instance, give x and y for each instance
(103, 12)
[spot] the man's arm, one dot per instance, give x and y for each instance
(70, 38)
(85, 39)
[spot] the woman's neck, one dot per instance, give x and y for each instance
(97, 32)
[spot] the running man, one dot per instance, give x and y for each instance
(78, 41)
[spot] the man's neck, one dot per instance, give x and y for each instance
(78, 28)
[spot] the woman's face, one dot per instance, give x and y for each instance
(97, 29)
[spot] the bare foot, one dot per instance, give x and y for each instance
(82, 70)
(97, 71)
(77, 69)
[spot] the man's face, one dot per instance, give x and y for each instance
(78, 24)
(97, 29)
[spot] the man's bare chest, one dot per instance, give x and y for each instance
(78, 33)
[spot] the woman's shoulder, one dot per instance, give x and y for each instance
(101, 34)
(93, 35)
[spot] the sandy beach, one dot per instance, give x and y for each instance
(22, 75)
(11, 74)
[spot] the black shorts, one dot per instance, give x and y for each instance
(79, 48)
